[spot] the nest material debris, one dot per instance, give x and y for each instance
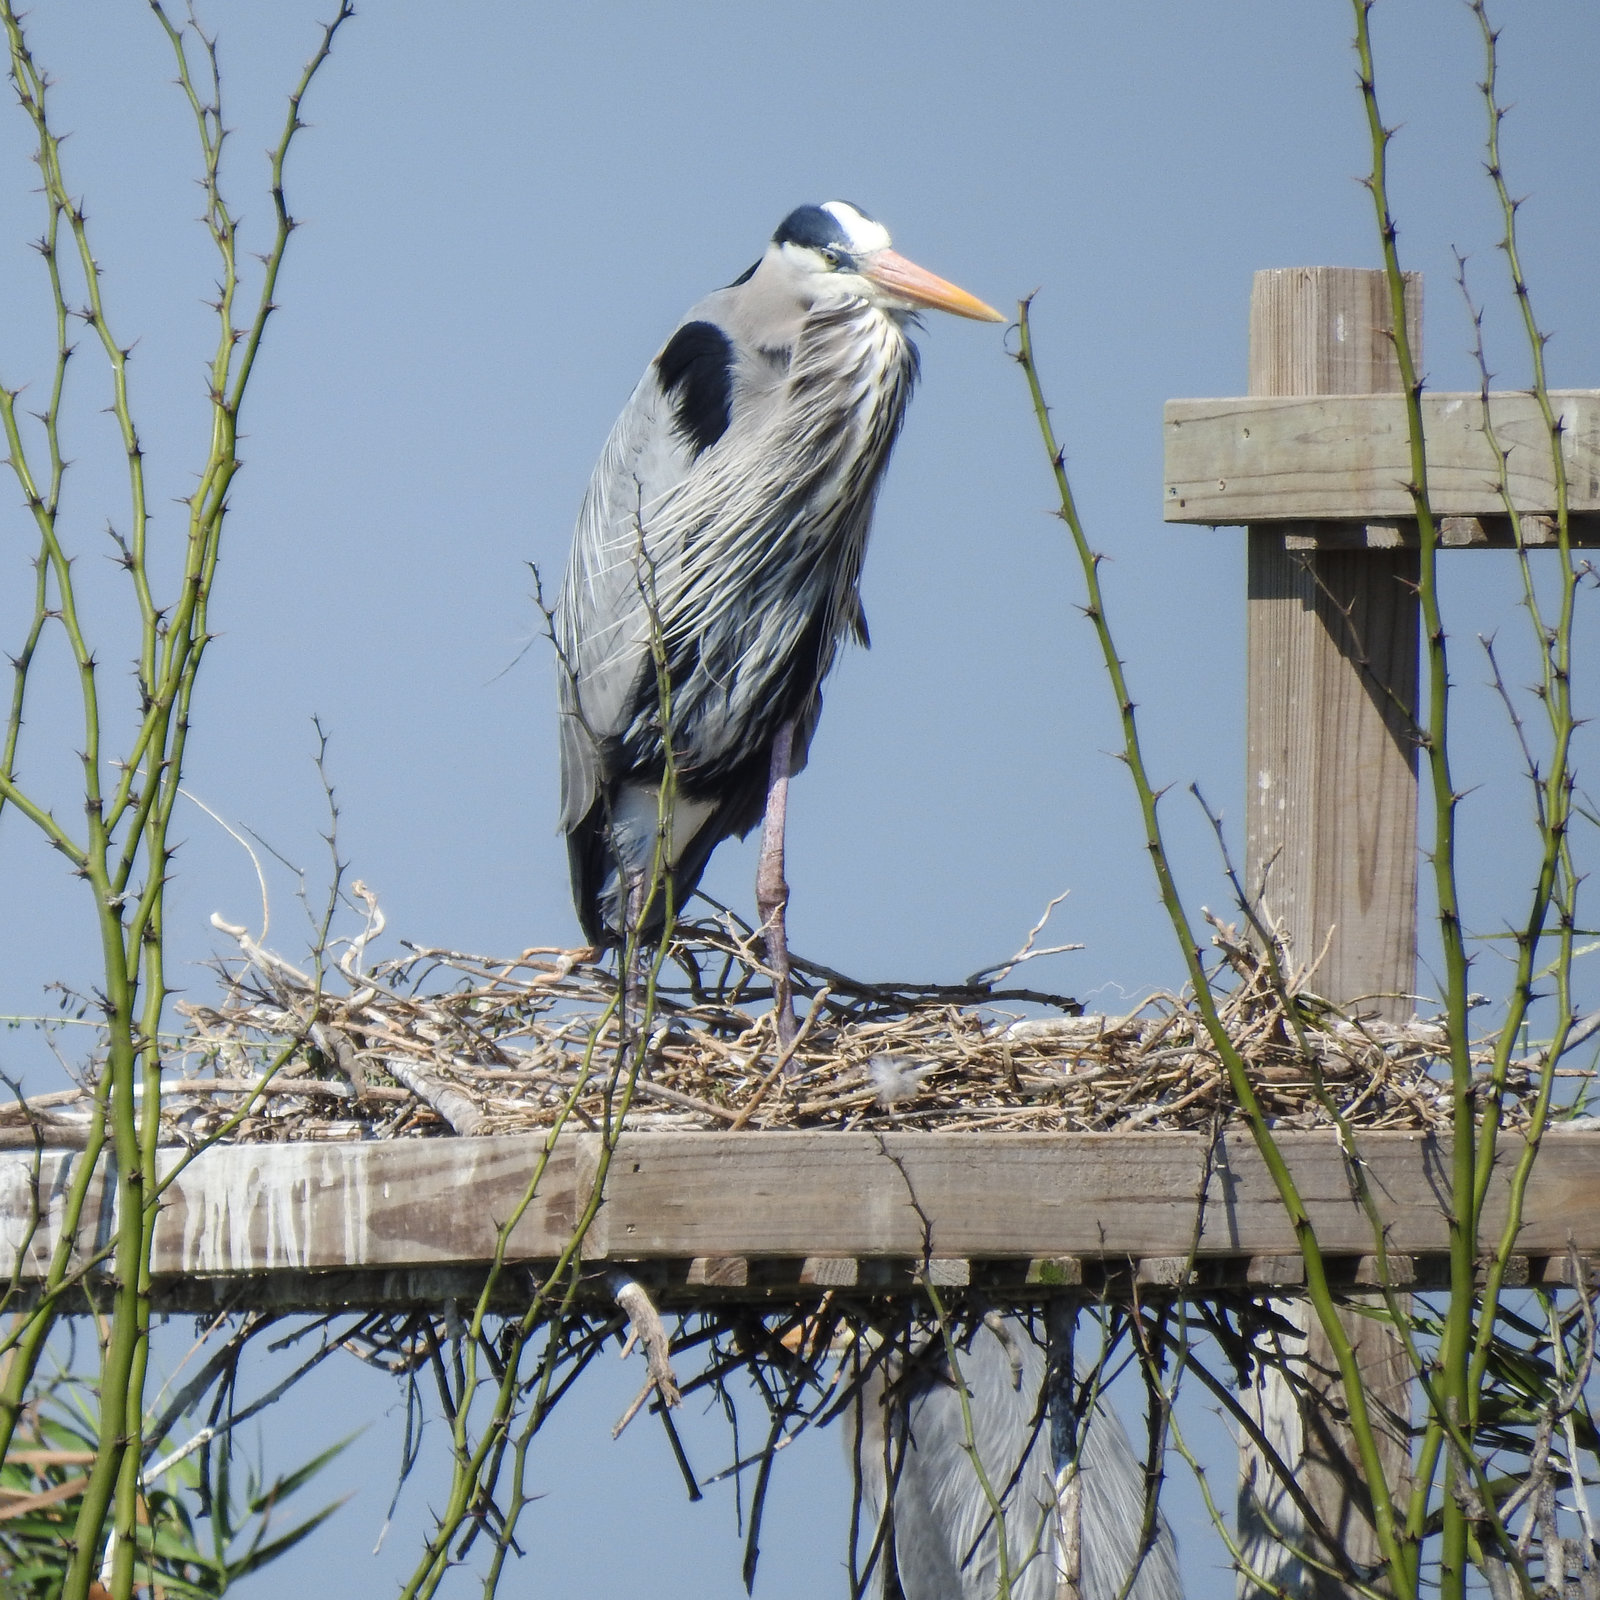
(440, 1041)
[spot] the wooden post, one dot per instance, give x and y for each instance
(1331, 803)
(1331, 830)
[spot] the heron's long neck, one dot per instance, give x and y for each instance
(788, 511)
(850, 380)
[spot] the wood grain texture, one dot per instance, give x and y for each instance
(244, 1213)
(1455, 533)
(1325, 330)
(1331, 797)
(1307, 457)
(1332, 677)
(245, 1209)
(719, 1272)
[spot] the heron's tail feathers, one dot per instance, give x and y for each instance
(640, 854)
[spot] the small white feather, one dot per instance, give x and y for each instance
(895, 1078)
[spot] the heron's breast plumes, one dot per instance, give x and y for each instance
(763, 542)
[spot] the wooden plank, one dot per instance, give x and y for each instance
(1056, 1272)
(1369, 1271)
(1164, 1272)
(719, 1272)
(771, 1282)
(1310, 457)
(830, 1272)
(1011, 1195)
(1275, 1271)
(1567, 1270)
(247, 1212)
(244, 1209)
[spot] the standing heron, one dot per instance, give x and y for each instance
(716, 566)
(715, 571)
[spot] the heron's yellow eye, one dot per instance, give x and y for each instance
(832, 257)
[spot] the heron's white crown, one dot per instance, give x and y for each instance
(864, 234)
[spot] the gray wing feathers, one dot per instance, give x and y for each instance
(946, 1547)
(747, 549)
(603, 620)
(945, 1543)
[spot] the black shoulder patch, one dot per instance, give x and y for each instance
(814, 227)
(696, 373)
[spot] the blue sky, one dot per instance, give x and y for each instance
(506, 209)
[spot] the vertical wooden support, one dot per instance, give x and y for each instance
(1332, 762)
(1331, 841)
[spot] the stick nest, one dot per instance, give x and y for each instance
(441, 1041)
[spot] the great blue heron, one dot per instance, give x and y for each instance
(942, 1539)
(717, 558)
(714, 574)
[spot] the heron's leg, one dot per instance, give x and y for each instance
(772, 889)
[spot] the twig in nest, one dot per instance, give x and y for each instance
(989, 976)
(645, 1325)
(785, 1056)
(456, 1108)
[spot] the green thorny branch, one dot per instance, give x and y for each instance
(1318, 1289)
(123, 852)
(1471, 1321)
(479, 1444)
(1453, 1379)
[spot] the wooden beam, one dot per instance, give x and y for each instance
(1455, 533)
(1308, 457)
(719, 1272)
(834, 1203)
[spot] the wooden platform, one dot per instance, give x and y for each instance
(757, 1216)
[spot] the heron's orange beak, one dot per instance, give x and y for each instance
(905, 280)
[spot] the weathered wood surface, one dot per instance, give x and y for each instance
(1331, 686)
(1331, 750)
(412, 1219)
(1294, 458)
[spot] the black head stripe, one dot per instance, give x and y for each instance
(696, 373)
(813, 227)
